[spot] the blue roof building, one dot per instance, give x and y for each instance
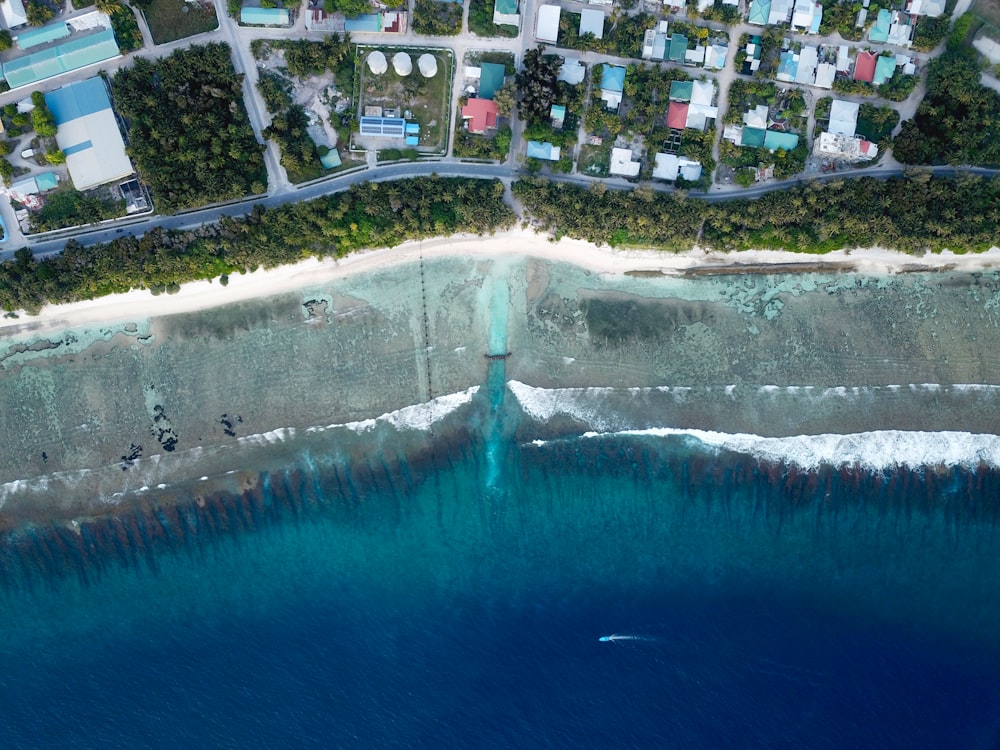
(542, 150)
(367, 22)
(390, 127)
(776, 140)
(612, 77)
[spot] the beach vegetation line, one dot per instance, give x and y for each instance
(914, 214)
(369, 215)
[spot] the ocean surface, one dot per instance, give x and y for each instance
(453, 595)
(440, 577)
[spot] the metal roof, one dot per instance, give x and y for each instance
(73, 54)
(490, 79)
(35, 37)
(78, 100)
(264, 16)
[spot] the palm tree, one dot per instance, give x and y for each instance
(109, 7)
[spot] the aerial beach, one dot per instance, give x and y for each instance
(500, 374)
(518, 241)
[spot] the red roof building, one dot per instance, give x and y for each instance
(864, 68)
(481, 114)
(677, 115)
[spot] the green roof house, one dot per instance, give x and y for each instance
(753, 137)
(678, 48)
(490, 79)
(680, 91)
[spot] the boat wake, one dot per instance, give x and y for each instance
(615, 637)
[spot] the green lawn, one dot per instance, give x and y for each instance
(170, 20)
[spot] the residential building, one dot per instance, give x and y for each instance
(505, 13)
(572, 71)
(844, 147)
(671, 166)
(843, 117)
(14, 14)
(931, 8)
(885, 66)
(542, 150)
(612, 85)
(622, 164)
(547, 25)
(491, 78)
(481, 115)
(592, 22)
(864, 67)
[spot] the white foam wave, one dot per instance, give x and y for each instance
(415, 417)
(876, 450)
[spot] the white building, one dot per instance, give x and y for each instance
(622, 164)
(547, 26)
(844, 117)
(13, 13)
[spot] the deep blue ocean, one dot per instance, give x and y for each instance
(453, 597)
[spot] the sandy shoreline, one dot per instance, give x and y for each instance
(606, 261)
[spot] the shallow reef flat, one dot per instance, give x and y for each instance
(92, 416)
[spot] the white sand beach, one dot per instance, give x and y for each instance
(201, 295)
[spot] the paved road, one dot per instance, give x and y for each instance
(281, 191)
(503, 172)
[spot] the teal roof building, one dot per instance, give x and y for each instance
(491, 77)
(753, 137)
(73, 54)
(264, 16)
(880, 31)
(885, 66)
(776, 140)
(678, 48)
(759, 12)
(680, 91)
(37, 37)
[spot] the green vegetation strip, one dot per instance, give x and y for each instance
(368, 215)
(913, 214)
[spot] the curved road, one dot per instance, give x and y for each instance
(192, 219)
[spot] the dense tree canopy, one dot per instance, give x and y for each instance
(188, 130)
(538, 84)
(368, 215)
(958, 122)
(909, 214)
